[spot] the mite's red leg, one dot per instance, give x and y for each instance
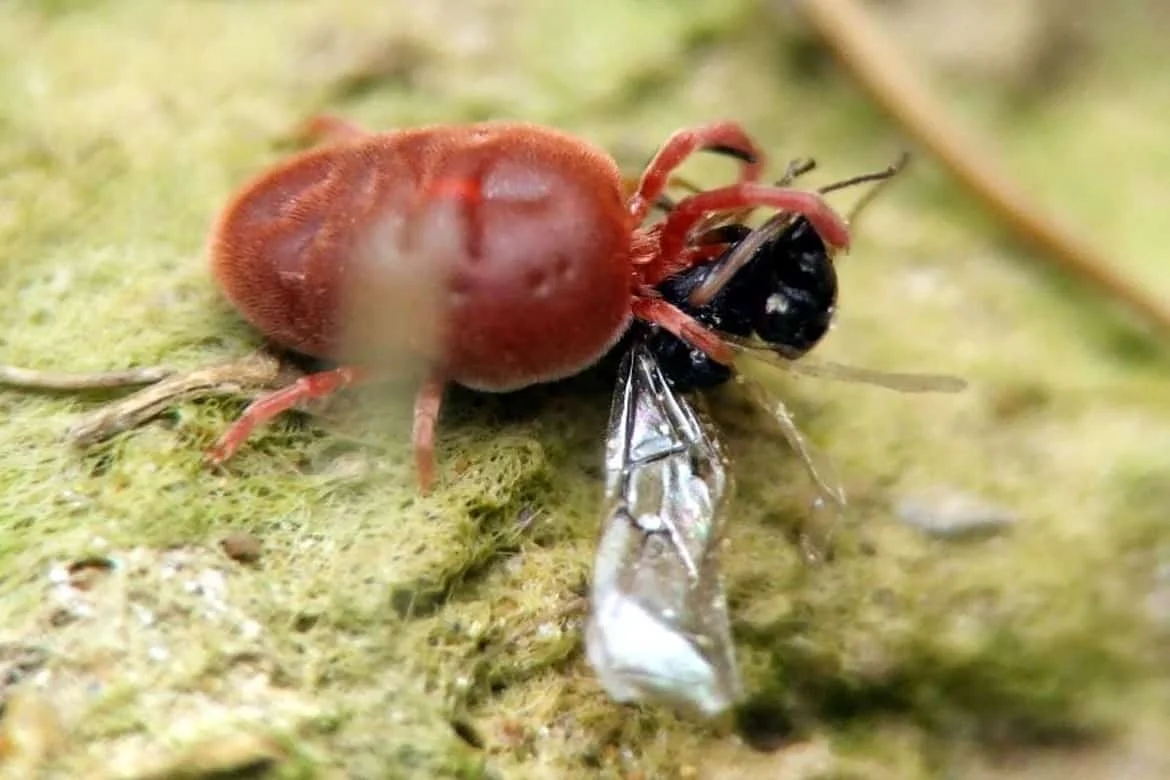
(672, 257)
(682, 325)
(724, 137)
(326, 128)
(266, 407)
(426, 413)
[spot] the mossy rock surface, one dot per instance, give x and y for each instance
(380, 634)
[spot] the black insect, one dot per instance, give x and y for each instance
(780, 287)
(659, 627)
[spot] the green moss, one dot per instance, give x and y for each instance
(386, 634)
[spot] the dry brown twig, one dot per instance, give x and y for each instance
(850, 32)
(33, 379)
(258, 371)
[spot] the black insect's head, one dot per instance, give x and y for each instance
(801, 283)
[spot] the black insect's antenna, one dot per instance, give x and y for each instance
(883, 175)
(795, 169)
(880, 179)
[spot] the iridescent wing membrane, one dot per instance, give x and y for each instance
(658, 628)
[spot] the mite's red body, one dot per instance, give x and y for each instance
(496, 256)
(517, 240)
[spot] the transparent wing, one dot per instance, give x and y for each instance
(658, 628)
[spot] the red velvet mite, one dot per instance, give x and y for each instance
(494, 255)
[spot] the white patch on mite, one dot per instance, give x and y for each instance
(512, 183)
(394, 306)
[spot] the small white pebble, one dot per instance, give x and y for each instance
(947, 514)
(144, 615)
(213, 582)
(1158, 599)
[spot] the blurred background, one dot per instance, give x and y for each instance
(998, 598)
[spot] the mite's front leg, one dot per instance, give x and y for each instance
(722, 137)
(266, 407)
